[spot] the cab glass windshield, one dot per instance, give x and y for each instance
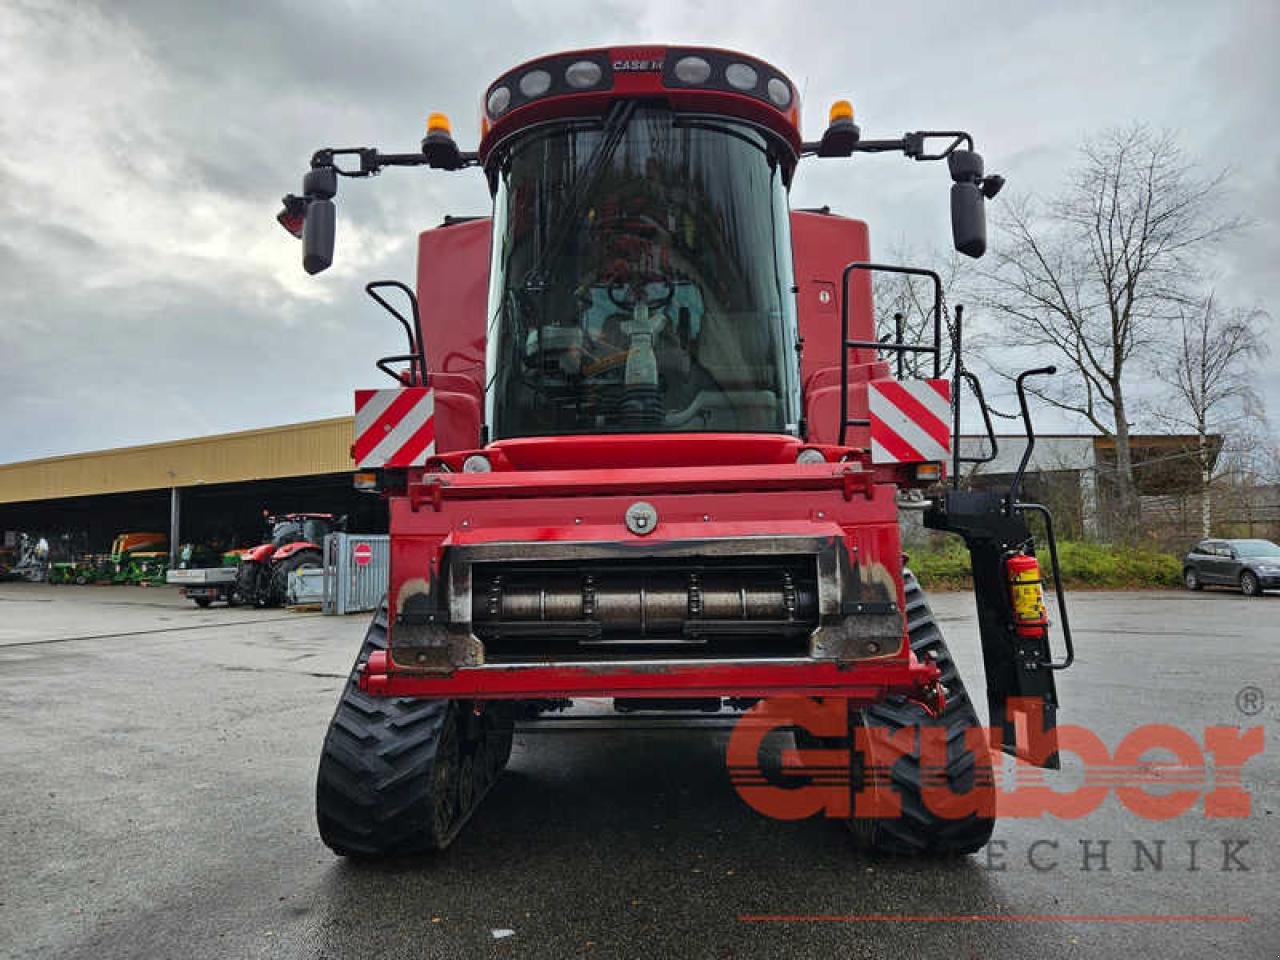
(641, 279)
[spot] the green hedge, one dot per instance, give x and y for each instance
(1084, 565)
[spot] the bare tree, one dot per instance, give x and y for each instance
(1093, 278)
(1207, 372)
(1246, 494)
(907, 301)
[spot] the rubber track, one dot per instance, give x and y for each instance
(919, 832)
(373, 789)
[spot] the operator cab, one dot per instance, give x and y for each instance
(641, 274)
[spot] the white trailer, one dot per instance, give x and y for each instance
(205, 585)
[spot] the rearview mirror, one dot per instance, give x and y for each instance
(317, 236)
(968, 202)
(968, 219)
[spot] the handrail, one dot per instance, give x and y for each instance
(417, 351)
(899, 348)
(1070, 658)
(1026, 420)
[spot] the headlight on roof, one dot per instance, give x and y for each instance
(583, 74)
(498, 101)
(692, 70)
(535, 83)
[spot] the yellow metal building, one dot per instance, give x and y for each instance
(202, 488)
(301, 449)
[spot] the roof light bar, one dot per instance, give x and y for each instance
(709, 69)
(719, 70)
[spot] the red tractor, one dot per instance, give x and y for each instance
(296, 542)
(645, 445)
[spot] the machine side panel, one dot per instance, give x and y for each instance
(453, 292)
(823, 245)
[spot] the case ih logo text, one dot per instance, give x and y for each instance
(820, 779)
(637, 66)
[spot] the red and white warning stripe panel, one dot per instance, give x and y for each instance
(910, 420)
(394, 428)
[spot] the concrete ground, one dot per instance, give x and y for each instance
(157, 768)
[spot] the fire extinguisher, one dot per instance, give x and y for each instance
(1026, 591)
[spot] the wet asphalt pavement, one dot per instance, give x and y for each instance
(157, 768)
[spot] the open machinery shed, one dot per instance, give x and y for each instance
(209, 489)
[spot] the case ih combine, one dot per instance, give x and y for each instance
(645, 445)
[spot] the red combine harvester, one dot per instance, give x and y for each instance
(647, 447)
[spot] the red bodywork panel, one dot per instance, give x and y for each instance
(865, 684)
(558, 496)
(289, 549)
(259, 554)
(453, 290)
(265, 552)
(823, 245)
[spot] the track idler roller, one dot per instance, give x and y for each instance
(400, 776)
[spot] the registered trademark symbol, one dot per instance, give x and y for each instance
(1249, 701)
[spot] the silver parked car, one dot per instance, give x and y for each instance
(1250, 565)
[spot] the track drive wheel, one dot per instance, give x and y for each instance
(919, 831)
(400, 776)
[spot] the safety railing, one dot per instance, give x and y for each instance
(897, 347)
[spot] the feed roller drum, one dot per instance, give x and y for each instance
(651, 603)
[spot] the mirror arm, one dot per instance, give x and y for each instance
(911, 145)
(372, 161)
(880, 146)
(915, 143)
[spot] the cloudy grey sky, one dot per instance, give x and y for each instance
(146, 292)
